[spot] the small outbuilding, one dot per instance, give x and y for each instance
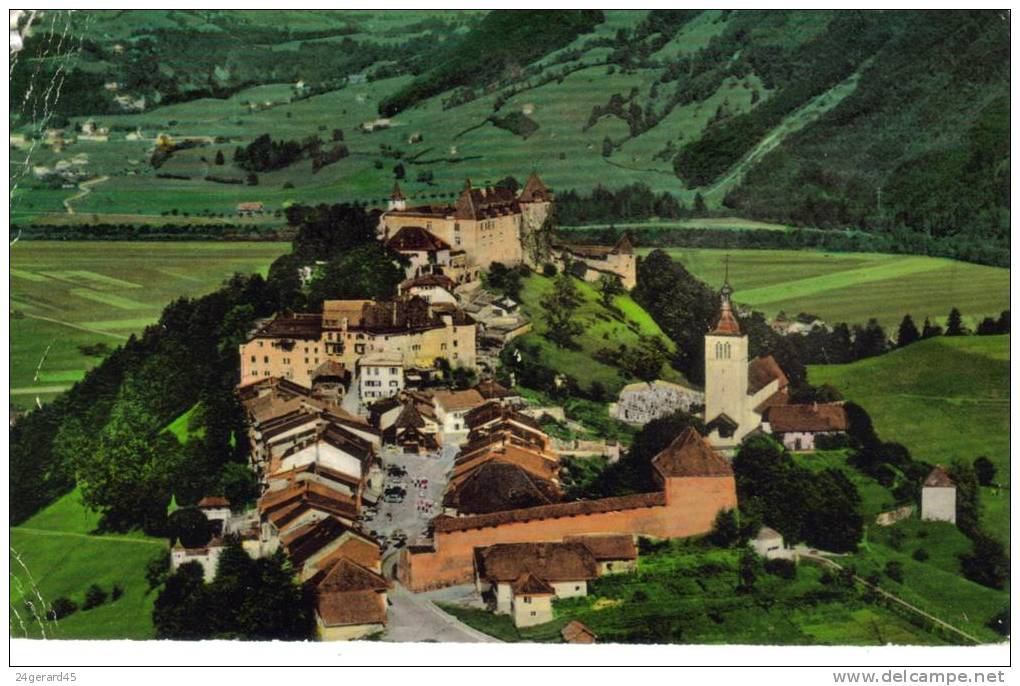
(576, 632)
(767, 542)
(938, 497)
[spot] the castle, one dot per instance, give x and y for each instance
(484, 224)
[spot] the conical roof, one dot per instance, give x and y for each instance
(690, 455)
(397, 194)
(534, 190)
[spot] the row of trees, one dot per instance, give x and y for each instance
(629, 203)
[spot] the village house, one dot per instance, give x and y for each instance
(412, 431)
(938, 497)
(217, 510)
(350, 601)
(590, 262)
(614, 553)
(521, 579)
(432, 288)
(737, 392)
(380, 375)
(250, 209)
(293, 346)
(487, 224)
(798, 426)
(427, 253)
(451, 408)
(207, 557)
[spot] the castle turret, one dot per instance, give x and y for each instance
(726, 399)
(398, 201)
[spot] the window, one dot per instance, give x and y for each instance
(454, 342)
(532, 613)
(265, 359)
(253, 359)
(260, 344)
(577, 588)
(527, 599)
(393, 370)
(394, 384)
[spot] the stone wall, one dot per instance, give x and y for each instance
(685, 507)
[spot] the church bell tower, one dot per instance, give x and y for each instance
(726, 377)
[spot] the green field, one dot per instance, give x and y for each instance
(603, 328)
(55, 554)
(943, 398)
(686, 594)
(65, 295)
(853, 287)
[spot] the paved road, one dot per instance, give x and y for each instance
(414, 618)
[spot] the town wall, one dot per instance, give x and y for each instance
(689, 508)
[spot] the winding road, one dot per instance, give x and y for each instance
(86, 188)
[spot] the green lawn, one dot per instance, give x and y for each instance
(686, 594)
(853, 287)
(943, 398)
(603, 328)
(55, 554)
(65, 295)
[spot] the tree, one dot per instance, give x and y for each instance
(987, 327)
(968, 496)
(252, 179)
(954, 325)
(338, 135)
(869, 341)
(987, 563)
(94, 597)
(61, 607)
(985, 470)
(184, 610)
(190, 526)
(219, 158)
(894, 570)
(158, 569)
(239, 485)
(609, 286)
(559, 306)
(725, 530)
(504, 280)
(700, 208)
(930, 330)
(607, 147)
(368, 271)
(750, 570)
(399, 172)
(999, 623)
(908, 332)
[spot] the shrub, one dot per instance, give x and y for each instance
(920, 555)
(549, 269)
(117, 592)
(158, 569)
(781, 567)
(62, 607)
(94, 597)
(1000, 622)
(894, 570)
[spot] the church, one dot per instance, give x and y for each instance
(737, 391)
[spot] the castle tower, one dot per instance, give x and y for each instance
(398, 202)
(726, 413)
(535, 200)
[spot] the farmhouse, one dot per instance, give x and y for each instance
(521, 579)
(737, 392)
(798, 426)
(249, 209)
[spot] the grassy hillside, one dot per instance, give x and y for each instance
(603, 328)
(943, 398)
(66, 295)
(686, 595)
(749, 108)
(55, 553)
(853, 287)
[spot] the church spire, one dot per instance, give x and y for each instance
(727, 324)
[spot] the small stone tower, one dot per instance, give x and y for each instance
(726, 378)
(397, 202)
(938, 497)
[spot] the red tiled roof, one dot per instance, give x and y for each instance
(496, 486)
(529, 584)
(607, 546)
(444, 523)
(457, 401)
(938, 478)
(214, 501)
(534, 190)
(808, 418)
(762, 371)
(690, 455)
(416, 239)
(347, 575)
(576, 632)
(351, 608)
(727, 324)
(508, 562)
